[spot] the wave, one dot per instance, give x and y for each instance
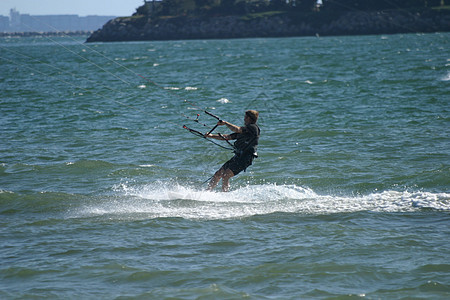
(37, 202)
(446, 77)
(77, 166)
(161, 200)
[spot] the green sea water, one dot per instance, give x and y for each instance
(102, 192)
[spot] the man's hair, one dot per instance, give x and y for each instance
(252, 114)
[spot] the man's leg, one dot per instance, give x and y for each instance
(226, 175)
(215, 180)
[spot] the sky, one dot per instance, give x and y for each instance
(72, 7)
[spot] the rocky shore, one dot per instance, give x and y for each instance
(276, 24)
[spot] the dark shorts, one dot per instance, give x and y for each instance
(237, 164)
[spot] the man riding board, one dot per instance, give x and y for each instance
(247, 138)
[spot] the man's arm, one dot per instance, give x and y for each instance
(230, 126)
(225, 137)
(221, 137)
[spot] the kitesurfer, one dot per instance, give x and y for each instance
(245, 146)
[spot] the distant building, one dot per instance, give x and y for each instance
(4, 23)
(50, 23)
(14, 19)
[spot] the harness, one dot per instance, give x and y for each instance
(240, 152)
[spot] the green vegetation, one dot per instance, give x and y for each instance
(442, 7)
(377, 5)
(221, 7)
(262, 15)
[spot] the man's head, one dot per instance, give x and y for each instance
(252, 115)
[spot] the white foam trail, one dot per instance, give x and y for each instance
(159, 200)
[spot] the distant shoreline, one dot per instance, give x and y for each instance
(50, 33)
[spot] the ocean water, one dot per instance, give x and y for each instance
(102, 192)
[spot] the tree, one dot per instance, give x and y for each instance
(302, 5)
(366, 5)
(176, 7)
(278, 4)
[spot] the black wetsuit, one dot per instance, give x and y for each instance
(245, 149)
